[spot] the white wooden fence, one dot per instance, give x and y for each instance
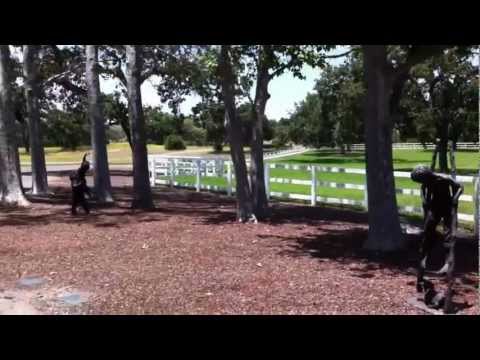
(314, 183)
(284, 152)
(164, 171)
(419, 146)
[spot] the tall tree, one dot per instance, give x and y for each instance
(116, 112)
(384, 225)
(211, 118)
(234, 128)
(270, 61)
(384, 83)
(443, 99)
(11, 191)
(141, 184)
(32, 94)
(101, 177)
(259, 195)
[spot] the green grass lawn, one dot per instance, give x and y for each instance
(404, 160)
(118, 153)
(403, 200)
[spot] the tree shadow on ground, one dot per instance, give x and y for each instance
(283, 213)
(346, 247)
(55, 208)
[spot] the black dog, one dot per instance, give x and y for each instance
(440, 195)
(79, 187)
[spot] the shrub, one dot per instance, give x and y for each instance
(174, 142)
(192, 134)
(281, 139)
(218, 147)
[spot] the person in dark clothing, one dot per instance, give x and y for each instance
(79, 187)
(440, 194)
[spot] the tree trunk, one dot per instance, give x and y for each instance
(30, 73)
(477, 207)
(126, 129)
(477, 197)
(257, 175)
(141, 183)
(11, 191)
(101, 174)
(25, 138)
(234, 128)
(384, 225)
(24, 129)
(443, 146)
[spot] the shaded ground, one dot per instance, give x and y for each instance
(191, 257)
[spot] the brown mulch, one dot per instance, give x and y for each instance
(189, 256)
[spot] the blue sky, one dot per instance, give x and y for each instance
(285, 91)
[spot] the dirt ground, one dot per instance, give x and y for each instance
(189, 256)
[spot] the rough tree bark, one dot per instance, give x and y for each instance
(126, 130)
(443, 145)
(30, 73)
(477, 194)
(24, 129)
(384, 87)
(101, 175)
(384, 225)
(141, 184)
(444, 128)
(234, 128)
(257, 175)
(11, 191)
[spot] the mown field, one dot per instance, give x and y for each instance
(118, 153)
(404, 160)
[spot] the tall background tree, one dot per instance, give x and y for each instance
(234, 128)
(385, 81)
(141, 182)
(101, 174)
(441, 99)
(11, 191)
(32, 94)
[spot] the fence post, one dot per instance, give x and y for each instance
(219, 168)
(365, 193)
(150, 171)
(172, 172)
(266, 171)
(198, 175)
(313, 188)
(154, 171)
(476, 216)
(229, 178)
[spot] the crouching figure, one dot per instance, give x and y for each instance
(440, 194)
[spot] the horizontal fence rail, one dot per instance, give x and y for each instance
(168, 171)
(420, 146)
